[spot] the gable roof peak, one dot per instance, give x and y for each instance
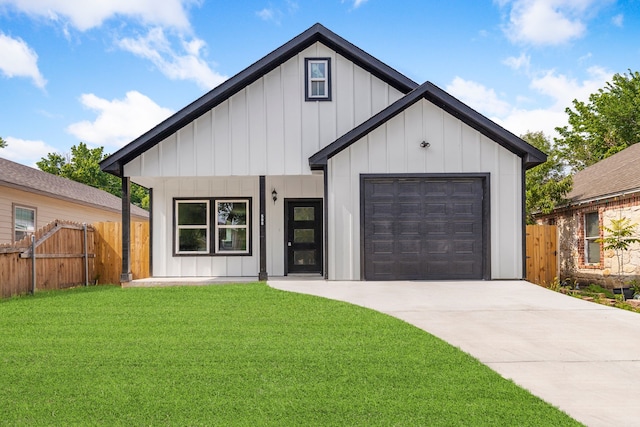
(316, 33)
(432, 93)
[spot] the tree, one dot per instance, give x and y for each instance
(618, 238)
(83, 165)
(607, 124)
(546, 184)
(3, 143)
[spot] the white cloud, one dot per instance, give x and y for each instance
(266, 14)
(558, 88)
(563, 90)
(119, 121)
(356, 3)
(618, 20)
(521, 62)
(548, 22)
(186, 66)
(25, 151)
(84, 15)
(478, 97)
(17, 59)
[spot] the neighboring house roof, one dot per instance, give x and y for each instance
(317, 33)
(32, 180)
(616, 175)
(531, 155)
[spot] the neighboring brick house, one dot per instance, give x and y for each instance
(610, 189)
(31, 198)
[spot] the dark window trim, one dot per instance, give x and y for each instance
(486, 211)
(13, 218)
(306, 80)
(212, 227)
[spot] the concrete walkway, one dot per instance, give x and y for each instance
(581, 357)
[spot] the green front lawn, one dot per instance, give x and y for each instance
(243, 355)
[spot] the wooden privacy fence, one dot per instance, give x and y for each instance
(65, 258)
(109, 251)
(542, 254)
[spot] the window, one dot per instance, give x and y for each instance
(231, 227)
(192, 226)
(591, 234)
(212, 227)
(318, 79)
(24, 222)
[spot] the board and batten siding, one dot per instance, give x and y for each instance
(268, 128)
(394, 148)
(165, 264)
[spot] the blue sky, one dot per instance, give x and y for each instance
(105, 71)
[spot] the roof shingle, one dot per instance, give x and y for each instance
(614, 175)
(36, 181)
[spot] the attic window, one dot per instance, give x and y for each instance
(318, 79)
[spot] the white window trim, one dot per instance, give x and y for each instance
(218, 251)
(206, 226)
(326, 79)
(589, 239)
(35, 220)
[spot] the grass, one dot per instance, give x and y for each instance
(244, 355)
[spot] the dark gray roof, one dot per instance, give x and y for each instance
(531, 155)
(36, 181)
(615, 175)
(317, 33)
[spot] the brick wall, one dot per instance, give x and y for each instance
(571, 250)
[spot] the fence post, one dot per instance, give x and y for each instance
(33, 264)
(86, 255)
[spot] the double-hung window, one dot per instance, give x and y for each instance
(318, 79)
(591, 235)
(24, 222)
(212, 226)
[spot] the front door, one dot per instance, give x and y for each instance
(304, 236)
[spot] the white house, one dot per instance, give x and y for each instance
(319, 158)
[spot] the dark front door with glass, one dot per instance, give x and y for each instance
(304, 236)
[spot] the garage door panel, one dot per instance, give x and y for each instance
(382, 247)
(463, 209)
(381, 210)
(434, 247)
(408, 228)
(409, 209)
(382, 189)
(405, 247)
(464, 246)
(433, 228)
(435, 208)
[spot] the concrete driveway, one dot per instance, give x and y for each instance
(581, 357)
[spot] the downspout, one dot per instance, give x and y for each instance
(126, 275)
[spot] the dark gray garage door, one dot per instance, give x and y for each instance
(423, 228)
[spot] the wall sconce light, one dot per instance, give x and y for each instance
(425, 144)
(274, 195)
